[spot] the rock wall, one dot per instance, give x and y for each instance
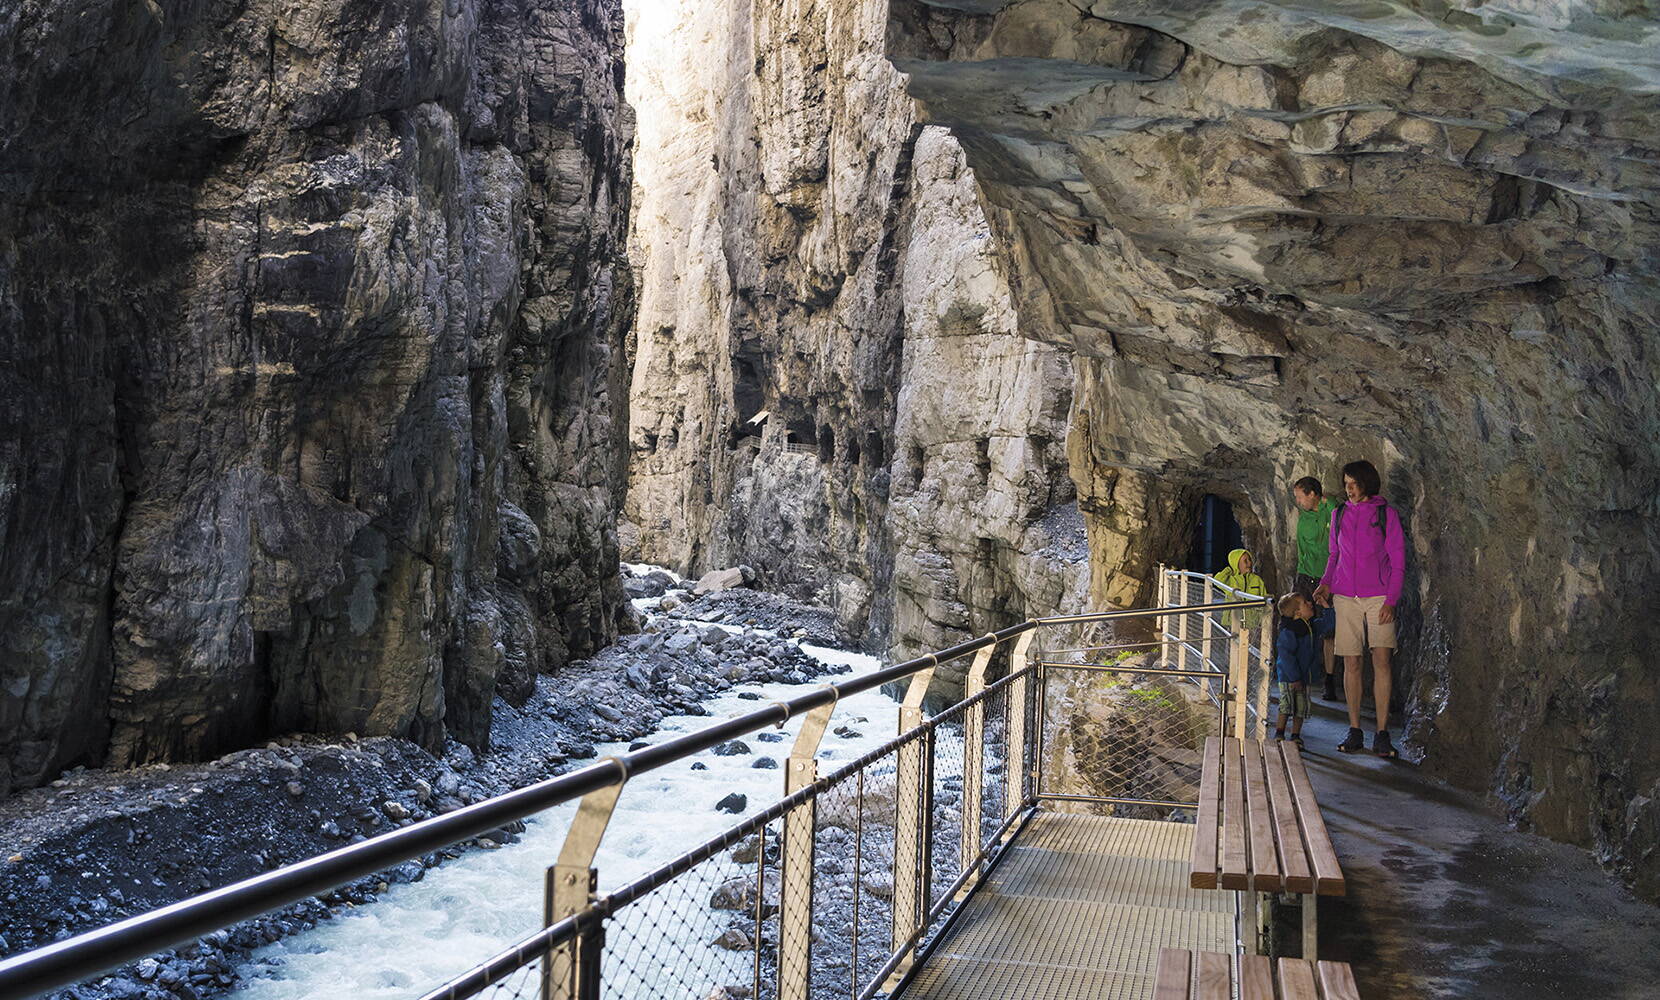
(1274, 237)
(828, 384)
(311, 319)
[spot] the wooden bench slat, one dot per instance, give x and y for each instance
(1265, 866)
(1235, 856)
(1296, 873)
(1256, 978)
(1337, 980)
(1328, 875)
(1297, 980)
(1216, 976)
(1171, 982)
(1203, 867)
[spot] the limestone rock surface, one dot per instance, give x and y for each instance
(828, 383)
(311, 321)
(1273, 237)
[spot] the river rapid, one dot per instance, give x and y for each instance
(417, 935)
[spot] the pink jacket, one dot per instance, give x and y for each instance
(1366, 562)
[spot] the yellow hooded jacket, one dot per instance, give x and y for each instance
(1250, 583)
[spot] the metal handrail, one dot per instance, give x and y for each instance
(86, 955)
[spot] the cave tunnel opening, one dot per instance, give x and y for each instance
(1216, 532)
(801, 433)
(873, 450)
(826, 444)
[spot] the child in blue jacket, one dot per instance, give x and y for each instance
(1295, 664)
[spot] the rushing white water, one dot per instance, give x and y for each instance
(418, 935)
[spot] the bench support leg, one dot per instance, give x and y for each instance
(1265, 924)
(1311, 927)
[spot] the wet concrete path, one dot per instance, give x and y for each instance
(1447, 901)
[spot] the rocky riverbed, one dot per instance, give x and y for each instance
(96, 846)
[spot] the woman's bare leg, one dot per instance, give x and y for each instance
(1352, 692)
(1381, 680)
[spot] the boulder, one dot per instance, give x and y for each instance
(720, 579)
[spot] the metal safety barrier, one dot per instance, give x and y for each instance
(836, 889)
(1237, 642)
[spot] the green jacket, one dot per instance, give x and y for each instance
(1250, 583)
(1313, 536)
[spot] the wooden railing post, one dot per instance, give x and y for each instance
(1014, 765)
(1265, 661)
(1183, 633)
(572, 969)
(912, 817)
(1238, 670)
(974, 735)
(1207, 653)
(795, 893)
(1159, 621)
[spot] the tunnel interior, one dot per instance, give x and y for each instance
(1216, 532)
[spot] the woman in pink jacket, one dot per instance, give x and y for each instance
(1363, 582)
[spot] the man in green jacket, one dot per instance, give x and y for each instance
(1313, 536)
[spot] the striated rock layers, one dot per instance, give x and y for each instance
(311, 319)
(828, 384)
(1275, 236)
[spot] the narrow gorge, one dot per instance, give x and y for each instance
(348, 348)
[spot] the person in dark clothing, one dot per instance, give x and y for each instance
(1313, 530)
(1295, 664)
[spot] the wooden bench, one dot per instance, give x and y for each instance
(1259, 826)
(1209, 975)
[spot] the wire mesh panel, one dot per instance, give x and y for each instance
(706, 932)
(993, 790)
(853, 880)
(1115, 733)
(945, 855)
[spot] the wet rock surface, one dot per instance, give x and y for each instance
(313, 352)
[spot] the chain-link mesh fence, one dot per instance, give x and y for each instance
(707, 931)
(853, 878)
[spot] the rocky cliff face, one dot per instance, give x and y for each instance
(312, 318)
(828, 384)
(1273, 237)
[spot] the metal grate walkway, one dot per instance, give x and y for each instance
(1078, 908)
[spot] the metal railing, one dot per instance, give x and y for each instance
(1224, 639)
(832, 891)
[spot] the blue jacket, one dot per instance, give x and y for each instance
(1294, 658)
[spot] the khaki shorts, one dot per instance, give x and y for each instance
(1358, 626)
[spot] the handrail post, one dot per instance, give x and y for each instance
(974, 730)
(795, 893)
(1182, 620)
(1014, 764)
(571, 970)
(1162, 623)
(1265, 661)
(912, 817)
(1238, 668)
(1205, 620)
